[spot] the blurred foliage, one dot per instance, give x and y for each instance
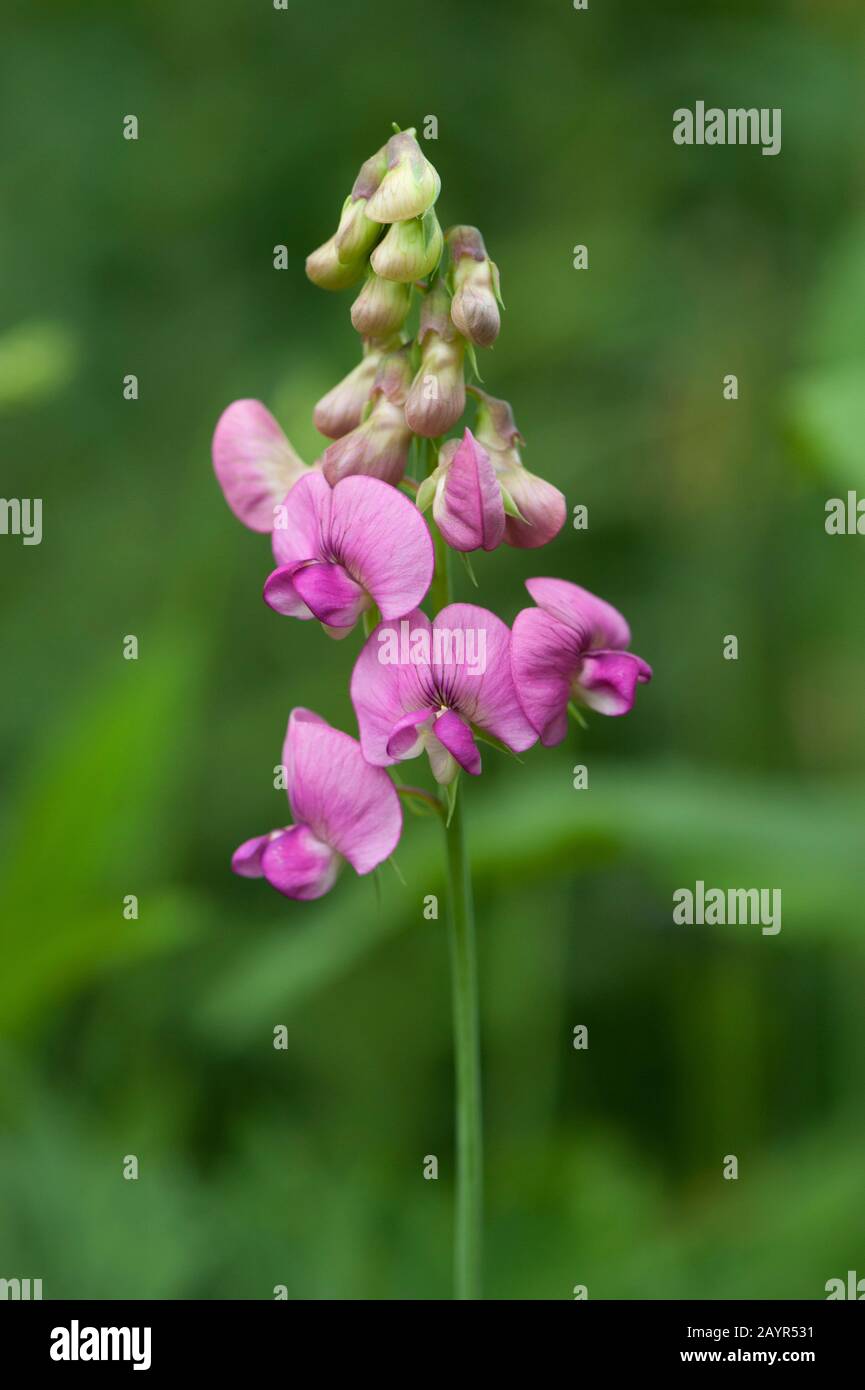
(155, 1037)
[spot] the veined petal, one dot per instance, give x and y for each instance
(456, 736)
(597, 623)
(386, 684)
(384, 543)
(544, 656)
(468, 509)
(302, 522)
(480, 687)
(330, 594)
(348, 804)
(254, 462)
(299, 865)
(607, 681)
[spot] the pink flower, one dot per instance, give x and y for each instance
(342, 809)
(254, 463)
(572, 647)
(536, 509)
(423, 686)
(340, 550)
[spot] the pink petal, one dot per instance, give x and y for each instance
(596, 623)
(348, 804)
(485, 697)
(246, 859)
(456, 736)
(383, 692)
(384, 543)
(607, 681)
(330, 594)
(299, 865)
(254, 463)
(303, 521)
(469, 510)
(281, 595)
(542, 505)
(544, 656)
(405, 739)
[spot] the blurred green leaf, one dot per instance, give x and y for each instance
(37, 360)
(89, 829)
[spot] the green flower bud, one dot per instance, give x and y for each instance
(477, 293)
(409, 187)
(356, 235)
(381, 307)
(410, 250)
(325, 269)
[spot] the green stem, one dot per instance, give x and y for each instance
(469, 1142)
(464, 990)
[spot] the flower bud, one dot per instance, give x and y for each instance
(326, 270)
(409, 187)
(535, 508)
(477, 294)
(378, 446)
(342, 408)
(437, 397)
(467, 505)
(381, 307)
(410, 250)
(356, 235)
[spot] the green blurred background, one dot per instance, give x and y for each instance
(155, 1038)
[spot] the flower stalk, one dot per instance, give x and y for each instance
(468, 1210)
(467, 1063)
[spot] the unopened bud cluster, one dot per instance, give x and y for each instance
(390, 245)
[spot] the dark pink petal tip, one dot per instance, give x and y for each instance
(607, 681)
(299, 865)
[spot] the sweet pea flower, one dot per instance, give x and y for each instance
(424, 686)
(343, 809)
(379, 445)
(255, 465)
(340, 550)
(536, 509)
(467, 502)
(572, 647)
